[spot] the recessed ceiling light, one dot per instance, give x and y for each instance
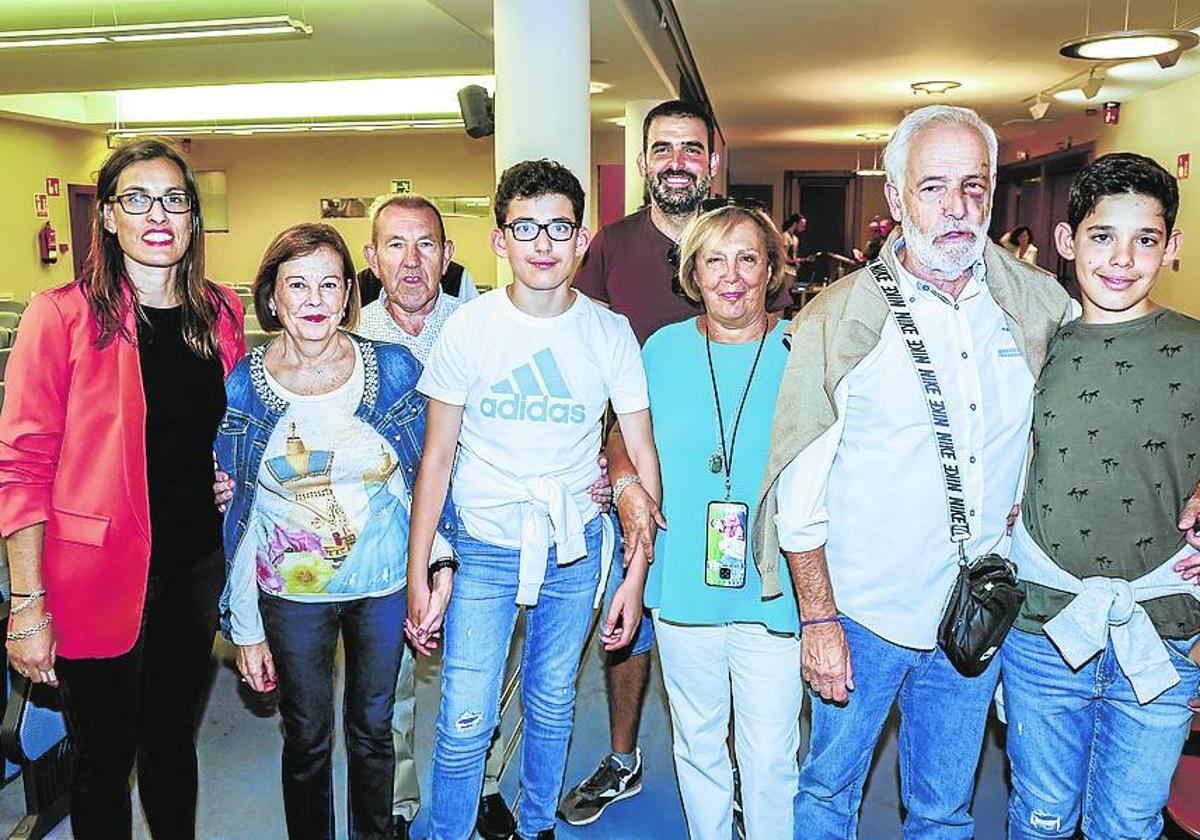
(598, 87)
(873, 136)
(935, 86)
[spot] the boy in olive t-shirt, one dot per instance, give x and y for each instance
(1116, 437)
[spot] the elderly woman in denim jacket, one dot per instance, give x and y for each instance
(322, 437)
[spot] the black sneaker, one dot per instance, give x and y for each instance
(495, 821)
(399, 827)
(611, 783)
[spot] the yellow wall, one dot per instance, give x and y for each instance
(30, 154)
(1163, 125)
(274, 182)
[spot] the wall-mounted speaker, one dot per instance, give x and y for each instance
(476, 107)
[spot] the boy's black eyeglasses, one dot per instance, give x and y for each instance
(527, 230)
(139, 204)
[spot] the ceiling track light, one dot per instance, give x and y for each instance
(272, 25)
(1093, 83)
(1040, 106)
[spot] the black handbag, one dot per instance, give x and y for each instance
(983, 605)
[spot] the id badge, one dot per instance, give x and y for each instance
(725, 544)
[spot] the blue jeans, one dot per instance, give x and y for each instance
(1080, 744)
(643, 637)
(303, 640)
(942, 719)
(479, 626)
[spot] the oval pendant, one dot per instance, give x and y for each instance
(716, 462)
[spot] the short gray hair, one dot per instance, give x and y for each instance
(895, 156)
(405, 201)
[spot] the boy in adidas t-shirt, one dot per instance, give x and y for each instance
(519, 382)
(1096, 688)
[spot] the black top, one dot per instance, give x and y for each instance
(185, 399)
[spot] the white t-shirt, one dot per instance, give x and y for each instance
(534, 391)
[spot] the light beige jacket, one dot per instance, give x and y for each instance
(840, 327)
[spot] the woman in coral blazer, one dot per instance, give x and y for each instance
(115, 390)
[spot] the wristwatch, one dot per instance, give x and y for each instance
(439, 564)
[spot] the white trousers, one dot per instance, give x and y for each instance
(703, 666)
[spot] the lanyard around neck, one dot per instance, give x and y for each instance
(722, 460)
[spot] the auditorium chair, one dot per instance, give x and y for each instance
(17, 306)
(10, 319)
(33, 738)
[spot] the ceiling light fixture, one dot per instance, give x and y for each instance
(276, 25)
(872, 137)
(1093, 83)
(1163, 45)
(1039, 107)
(934, 86)
(244, 129)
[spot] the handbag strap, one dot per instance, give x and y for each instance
(939, 415)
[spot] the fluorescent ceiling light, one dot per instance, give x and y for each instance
(426, 96)
(174, 31)
(1129, 44)
(244, 129)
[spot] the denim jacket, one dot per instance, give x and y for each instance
(390, 404)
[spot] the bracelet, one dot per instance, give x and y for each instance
(28, 602)
(439, 564)
(622, 485)
(812, 621)
(17, 635)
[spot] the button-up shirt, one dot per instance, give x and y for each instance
(376, 324)
(870, 489)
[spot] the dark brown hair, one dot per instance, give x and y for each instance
(104, 283)
(300, 241)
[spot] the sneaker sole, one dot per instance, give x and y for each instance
(625, 794)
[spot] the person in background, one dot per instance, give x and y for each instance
(1019, 242)
(716, 632)
(321, 437)
(410, 252)
(114, 392)
(793, 228)
(630, 267)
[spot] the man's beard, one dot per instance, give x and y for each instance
(678, 201)
(949, 260)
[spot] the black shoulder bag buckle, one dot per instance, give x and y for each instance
(985, 599)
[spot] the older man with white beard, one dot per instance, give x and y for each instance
(854, 492)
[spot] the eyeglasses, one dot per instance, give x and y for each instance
(527, 230)
(139, 203)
